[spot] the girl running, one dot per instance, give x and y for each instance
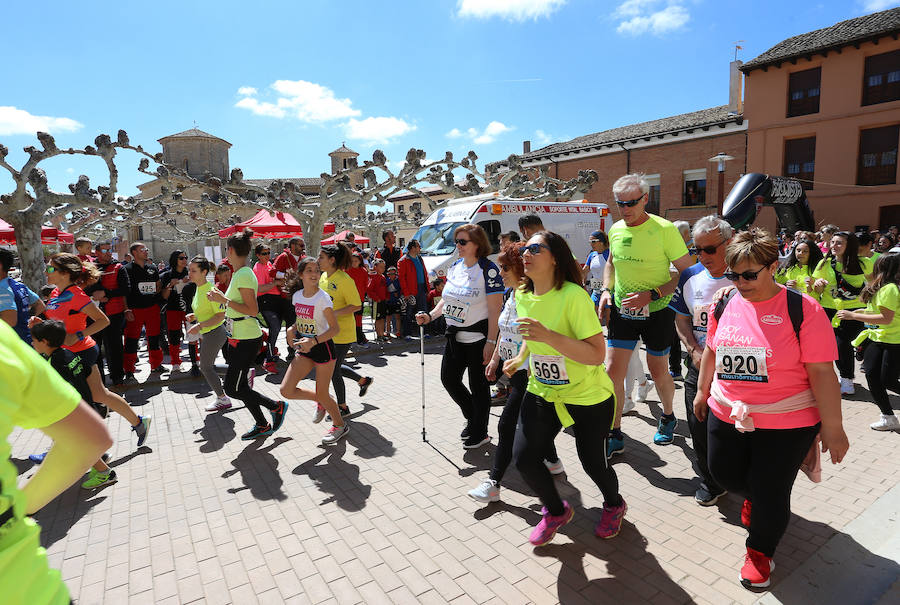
(208, 319)
(311, 336)
(797, 273)
(245, 338)
(568, 385)
(881, 362)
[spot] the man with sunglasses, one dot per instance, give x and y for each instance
(110, 292)
(693, 296)
(143, 310)
(642, 247)
(284, 263)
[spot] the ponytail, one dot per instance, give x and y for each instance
(240, 242)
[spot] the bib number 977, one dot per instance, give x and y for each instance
(744, 364)
(456, 311)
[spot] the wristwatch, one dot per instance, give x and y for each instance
(79, 335)
(655, 294)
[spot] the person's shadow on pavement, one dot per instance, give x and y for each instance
(337, 477)
(217, 430)
(259, 471)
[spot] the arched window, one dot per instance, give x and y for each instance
(184, 164)
(345, 163)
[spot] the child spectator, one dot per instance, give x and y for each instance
(377, 293)
(84, 246)
(395, 296)
(434, 295)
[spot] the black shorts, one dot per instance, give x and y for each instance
(381, 309)
(321, 353)
(393, 308)
(656, 331)
(89, 358)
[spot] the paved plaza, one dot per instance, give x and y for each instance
(200, 516)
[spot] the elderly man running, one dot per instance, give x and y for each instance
(642, 246)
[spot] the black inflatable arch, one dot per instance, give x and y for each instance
(755, 190)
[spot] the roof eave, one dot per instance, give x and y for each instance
(749, 66)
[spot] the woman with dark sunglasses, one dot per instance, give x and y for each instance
(470, 304)
(270, 302)
(840, 278)
(177, 297)
(766, 393)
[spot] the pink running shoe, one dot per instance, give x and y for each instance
(549, 525)
(610, 521)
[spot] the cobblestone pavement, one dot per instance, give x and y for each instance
(200, 516)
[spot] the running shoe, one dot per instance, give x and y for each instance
(746, 509)
(195, 371)
(141, 429)
(38, 458)
(555, 468)
(475, 442)
(704, 497)
(335, 433)
(550, 524)
(644, 390)
(465, 432)
(221, 403)
(676, 375)
(610, 522)
(886, 423)
(847, 387)
(756, 570)
(488, 491)
(270, 367)
(176, 367)
(97, 479)
(628, 408)
(319, 414)
(615, 445)
(158, 370)
(257, 431)
(365, 385)
(665, 431)
(278, 415)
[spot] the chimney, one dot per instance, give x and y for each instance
(526, 146)
(735, 87)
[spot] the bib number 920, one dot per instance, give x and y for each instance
(745, 364)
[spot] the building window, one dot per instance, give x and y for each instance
(184, 165)
(881, 80)
(878, 156)
(800, 160)
(345, 163)
(653, 195)
(399, 207)
(803, 92)
(694, 188)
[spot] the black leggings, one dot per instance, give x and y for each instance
(882, 368)
(271, 308)
(241, 358)
(844, 334)
(342, 371)
(538, 427)
(474, 402)
(760, 465)
(698, 430)
(506, 427)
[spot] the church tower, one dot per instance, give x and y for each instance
(197, 152)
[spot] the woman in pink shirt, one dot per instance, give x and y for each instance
(269, 298)
(770, 392)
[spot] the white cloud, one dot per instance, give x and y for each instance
(261, 108)
(511, 10)
(641, 16)
(247, 91)
(481, 137)
(377, 130)
(18, 121)
(306, 101)
(878, 5)
(542, 138)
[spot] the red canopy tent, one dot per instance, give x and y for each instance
(277, 225)
(342, 236)
(49, 235)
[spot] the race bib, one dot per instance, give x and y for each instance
(640, 313)
(596, 284)
(456, 311)
(306, 328)
(508, 349)
(701, 317)
(549, 369)
(147, 287)
(229, 326)
(745, 364)
(179, 286)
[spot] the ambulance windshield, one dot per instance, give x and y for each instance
(437, 240)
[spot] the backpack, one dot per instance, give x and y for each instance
(794, 305)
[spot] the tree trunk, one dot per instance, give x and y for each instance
(313, 235)
(31, 254)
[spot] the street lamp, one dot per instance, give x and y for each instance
(721, 158)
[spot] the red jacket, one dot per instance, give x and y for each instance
(377, 287)
(406, 269)
(360, 277)
(284, 262)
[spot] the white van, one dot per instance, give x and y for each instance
(573, 220)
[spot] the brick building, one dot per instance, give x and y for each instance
(824, 107)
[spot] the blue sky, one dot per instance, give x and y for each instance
(287, 82)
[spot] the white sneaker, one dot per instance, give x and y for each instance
(886, 423)
(847, 387)
(555, 468)
(335, 433)
(221, 403)
(176, 367)
(643, 389)
(319, 414)
(628, 407)
(488, 491)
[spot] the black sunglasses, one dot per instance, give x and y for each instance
(745, 275)
(263, 253)
(629, 203)
(182, 258)
(695, 250)
(462, 242)
(535, 248)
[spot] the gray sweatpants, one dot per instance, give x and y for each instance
(210, 345)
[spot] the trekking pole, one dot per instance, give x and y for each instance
(422, 361)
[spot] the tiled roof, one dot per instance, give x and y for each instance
(193, 133)
(343, 149)
(838, 35)
(300, 182)
(633, 132)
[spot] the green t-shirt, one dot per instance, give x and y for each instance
(641, 256)
(798, 273)
(888, 296)
(244, 329)
(204, 309)
(32, 395)
(569, 311)
(824, 271)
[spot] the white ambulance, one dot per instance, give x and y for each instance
(496, 215)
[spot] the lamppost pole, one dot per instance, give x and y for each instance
(720, 159)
